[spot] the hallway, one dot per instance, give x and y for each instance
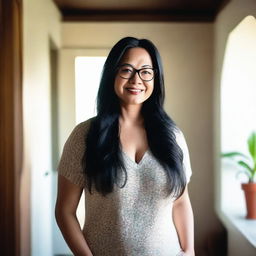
(43, 49)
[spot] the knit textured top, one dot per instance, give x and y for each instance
(135, 220)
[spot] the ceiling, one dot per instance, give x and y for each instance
(140, 10)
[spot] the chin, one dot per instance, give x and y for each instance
(132, 102)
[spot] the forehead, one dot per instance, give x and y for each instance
(137, 57)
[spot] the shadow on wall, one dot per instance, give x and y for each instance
(216, 243)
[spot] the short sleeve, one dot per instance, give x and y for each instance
(70, 165)
(180, 138)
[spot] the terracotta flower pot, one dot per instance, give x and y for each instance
(250, 196)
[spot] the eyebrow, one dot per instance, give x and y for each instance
(143, 66)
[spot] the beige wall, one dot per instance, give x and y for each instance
(41, 23)
(226, 21)
(187, 53)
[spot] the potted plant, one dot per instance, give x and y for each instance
(247, 165)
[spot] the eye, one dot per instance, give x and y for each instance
(146, 72)
(126, 70)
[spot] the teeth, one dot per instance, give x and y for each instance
(134, 90)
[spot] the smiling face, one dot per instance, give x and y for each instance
(134, 90)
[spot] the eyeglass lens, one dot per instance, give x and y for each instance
(127, 72)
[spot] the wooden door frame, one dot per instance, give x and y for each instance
(11, 127)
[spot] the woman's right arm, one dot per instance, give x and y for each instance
(68, 198)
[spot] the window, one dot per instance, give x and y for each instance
(87, 77)
(238, 112)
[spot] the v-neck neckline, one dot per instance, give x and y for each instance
(134, 162)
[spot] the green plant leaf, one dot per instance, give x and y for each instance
(247, 167)
(252, 146)
(233, 154)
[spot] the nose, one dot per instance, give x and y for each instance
(135, 78)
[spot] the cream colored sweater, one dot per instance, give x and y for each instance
(132, 221)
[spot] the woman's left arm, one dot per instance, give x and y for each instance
(184, 223)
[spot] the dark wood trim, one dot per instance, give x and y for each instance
(221, 6)
(169, 10)
(10, 125)
(197, 15)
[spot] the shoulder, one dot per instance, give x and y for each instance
(181, 141)
(73, 151)
(83, 126)
(179, 135)
(76, 139)
(81, 129)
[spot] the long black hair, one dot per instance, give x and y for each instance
(102, 160)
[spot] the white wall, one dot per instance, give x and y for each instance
(187, 52)
(41, 23)
(226, 21)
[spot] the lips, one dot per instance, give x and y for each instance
(131, 89)
(134, 91)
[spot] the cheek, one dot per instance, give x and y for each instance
(150, 88)
(118, 86)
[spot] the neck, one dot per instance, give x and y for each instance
(131, 114)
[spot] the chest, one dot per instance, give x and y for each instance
(134, 142)
(145, 184)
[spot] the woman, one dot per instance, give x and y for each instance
(132, 162)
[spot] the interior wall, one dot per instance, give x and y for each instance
(187, 53)
(226, 21)
(41, 25)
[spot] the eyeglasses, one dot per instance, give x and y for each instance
(127, 72)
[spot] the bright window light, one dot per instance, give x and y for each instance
(238, 105)
(87, 77)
